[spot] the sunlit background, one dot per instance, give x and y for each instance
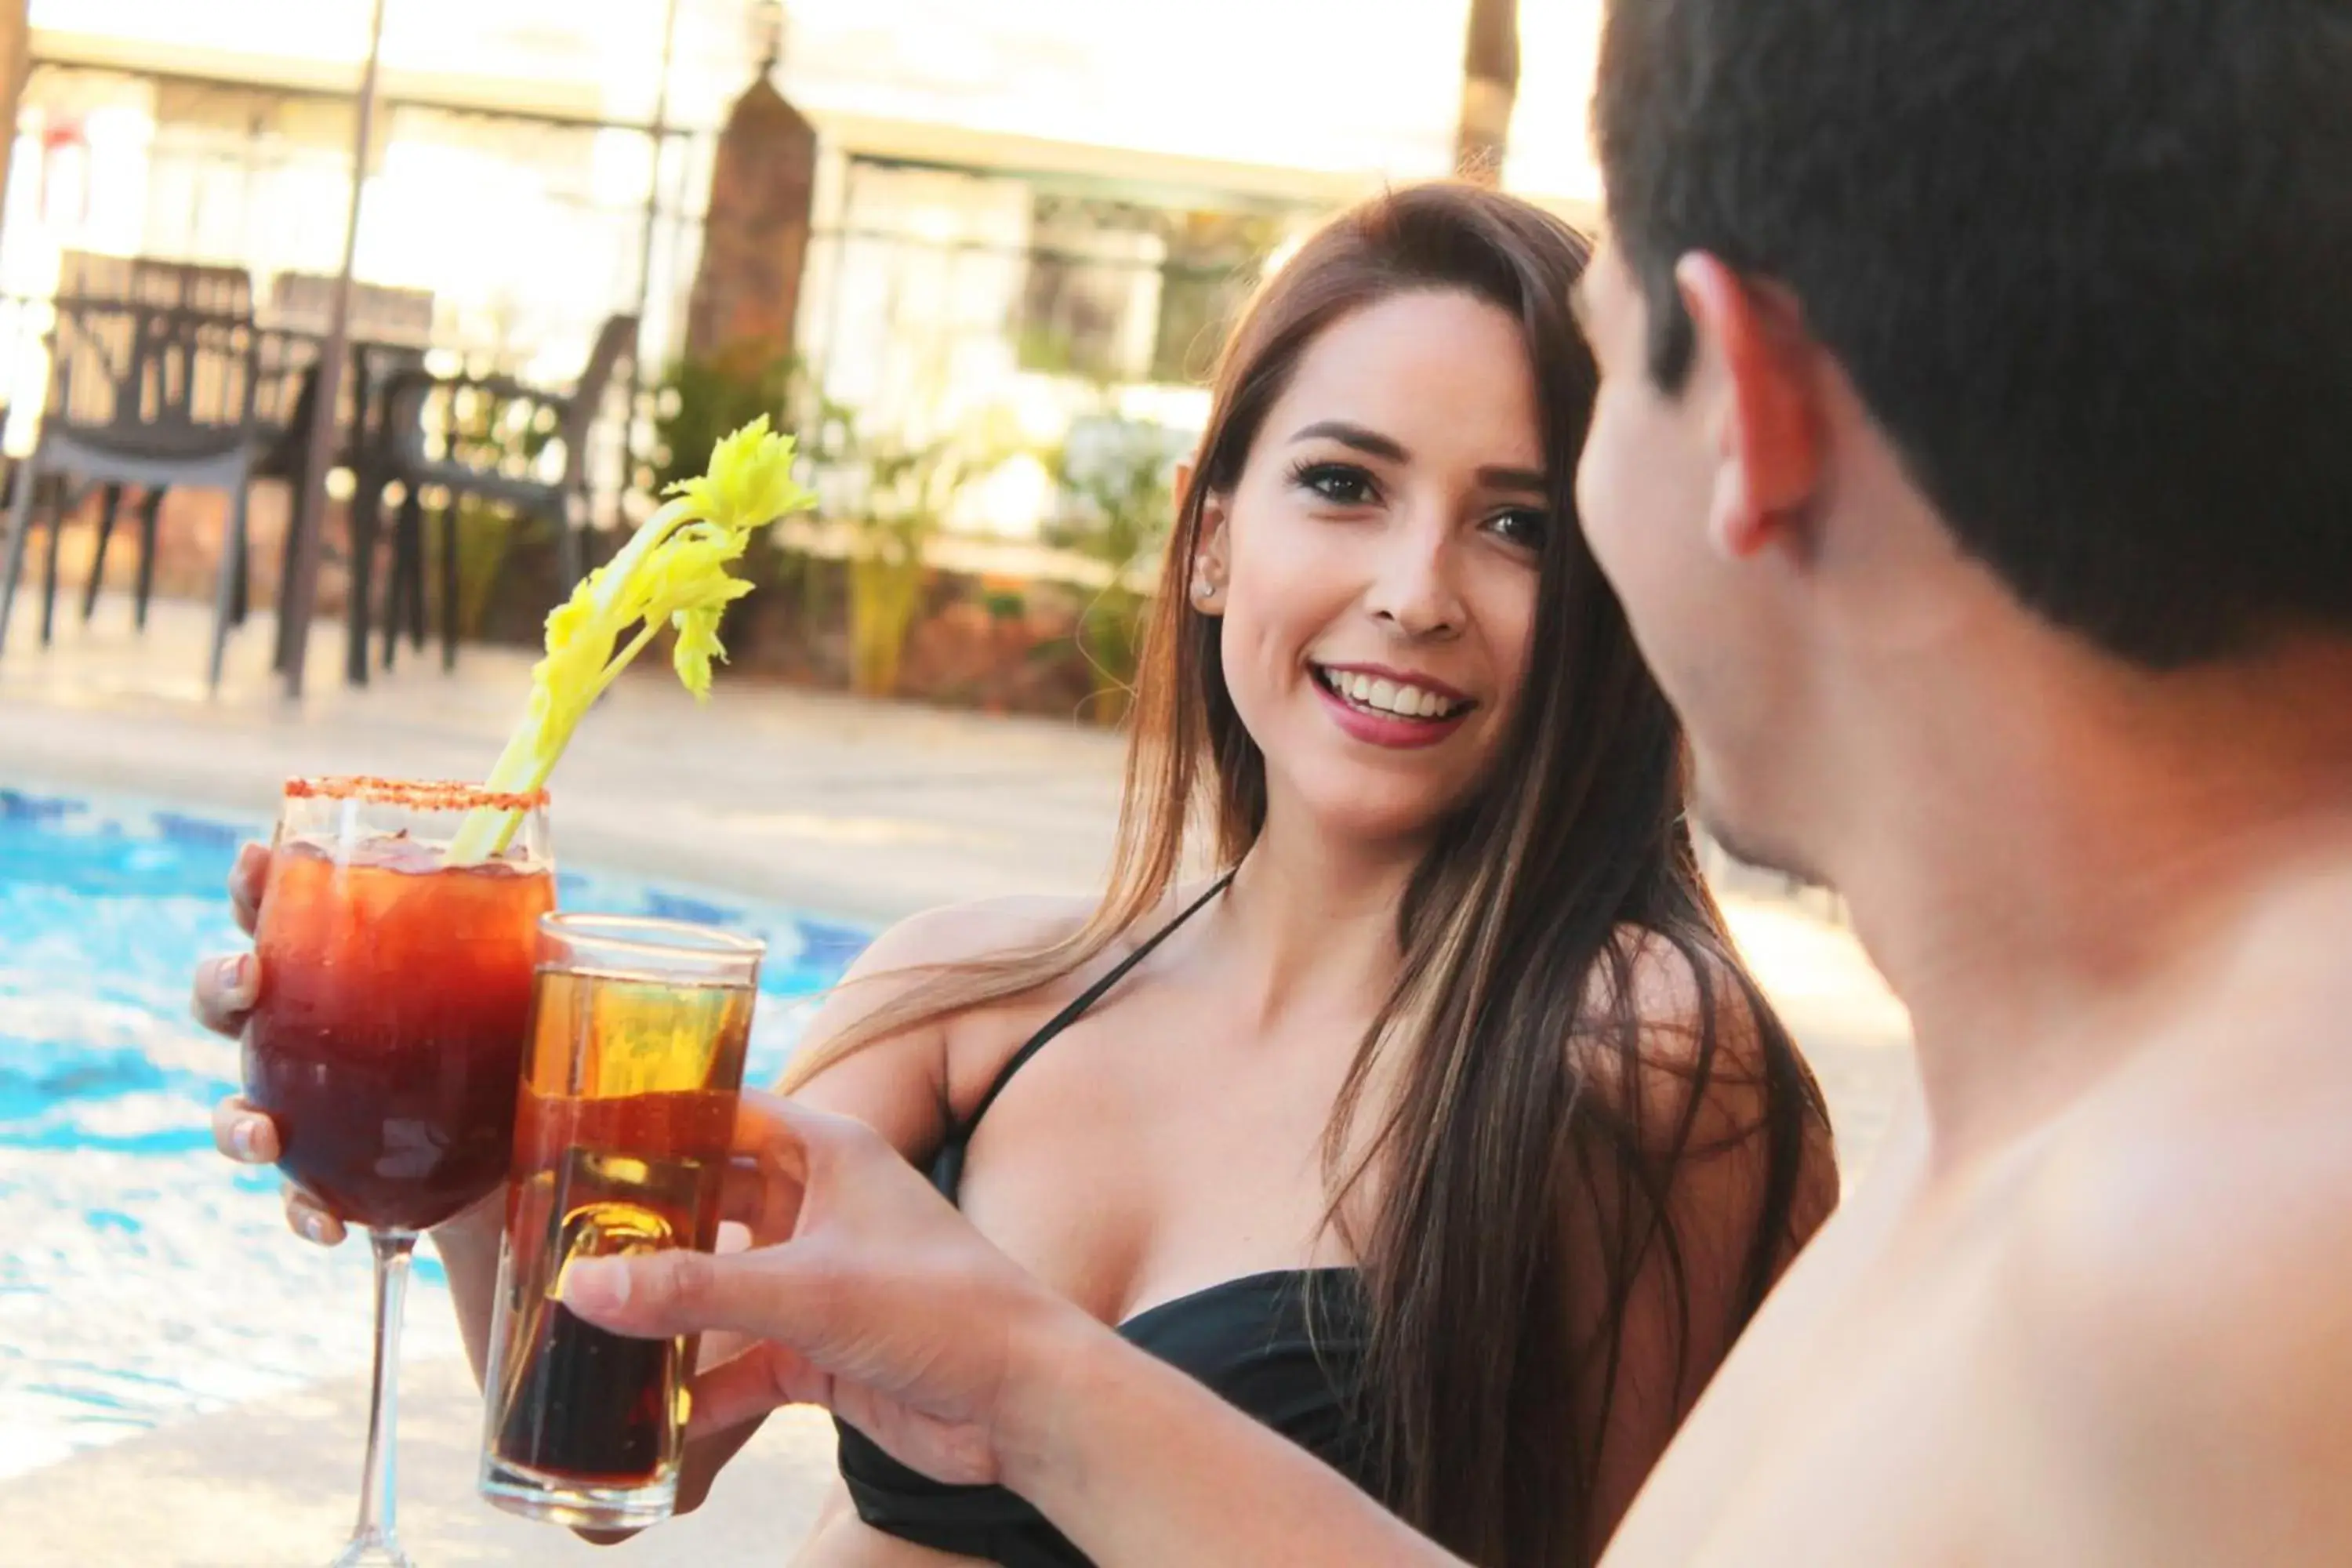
(978, 256)
(1018, 205)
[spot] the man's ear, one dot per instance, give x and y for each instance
(1767, 413)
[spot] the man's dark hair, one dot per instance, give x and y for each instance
(2088, 263)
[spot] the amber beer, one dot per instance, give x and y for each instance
(622, 1135)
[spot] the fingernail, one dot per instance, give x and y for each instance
(596, 1285)
(236, 978)
(246, 1138)
(313, 1227)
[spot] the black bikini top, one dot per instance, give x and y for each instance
(1285, 1346)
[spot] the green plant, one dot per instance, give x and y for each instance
(699, 400)
(509, 437)
(1125, 502)
(486, 538)
(909, 490)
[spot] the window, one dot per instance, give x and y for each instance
(1122, 291)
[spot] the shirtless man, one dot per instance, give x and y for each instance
(1974, 460)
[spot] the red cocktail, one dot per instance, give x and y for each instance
(395, 1001)
(388, 1043)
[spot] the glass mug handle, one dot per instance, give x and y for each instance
(608, 1229)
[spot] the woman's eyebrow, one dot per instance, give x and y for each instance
(1532, 479)
(1373, 444)
(1370, 442)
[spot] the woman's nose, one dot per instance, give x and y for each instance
(1412, 587)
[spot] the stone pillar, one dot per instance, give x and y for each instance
(1490, 89)
(755, 238)
(16, 47)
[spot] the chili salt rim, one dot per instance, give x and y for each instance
(416, 795)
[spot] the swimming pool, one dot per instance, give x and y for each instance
(143, 1279)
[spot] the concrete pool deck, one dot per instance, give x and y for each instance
(856, 810)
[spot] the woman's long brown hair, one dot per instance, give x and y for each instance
(1498, 1105)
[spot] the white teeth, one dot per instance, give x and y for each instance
(1388, 696)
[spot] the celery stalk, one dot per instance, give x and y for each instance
(674, 571)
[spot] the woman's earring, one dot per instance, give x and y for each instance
(1205, 595)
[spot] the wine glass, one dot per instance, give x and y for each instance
(398, 938)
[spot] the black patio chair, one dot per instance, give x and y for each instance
(303, 302)
(206, 288)
(142, 396)
(488, 438)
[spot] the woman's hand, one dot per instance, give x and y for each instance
(226, 990)
(865, 1292)
(225, 993)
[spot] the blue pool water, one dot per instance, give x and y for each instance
(143, 1279)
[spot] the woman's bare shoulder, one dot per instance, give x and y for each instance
(904, 1081)
(1693, 1004)
(1680, 1000)
(973, 932)
(1717, 1072)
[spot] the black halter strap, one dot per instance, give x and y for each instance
(947, 1170)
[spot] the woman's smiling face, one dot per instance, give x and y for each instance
(1376, 563)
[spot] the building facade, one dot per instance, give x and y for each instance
(1030, 211)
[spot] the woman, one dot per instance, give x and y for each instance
(1439, 1128)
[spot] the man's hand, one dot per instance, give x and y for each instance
(873, 1298)
(866, 1292)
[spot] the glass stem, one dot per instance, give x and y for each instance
(377, 1530)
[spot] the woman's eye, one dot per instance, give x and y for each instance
(1338, 483)
(1522, 527)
